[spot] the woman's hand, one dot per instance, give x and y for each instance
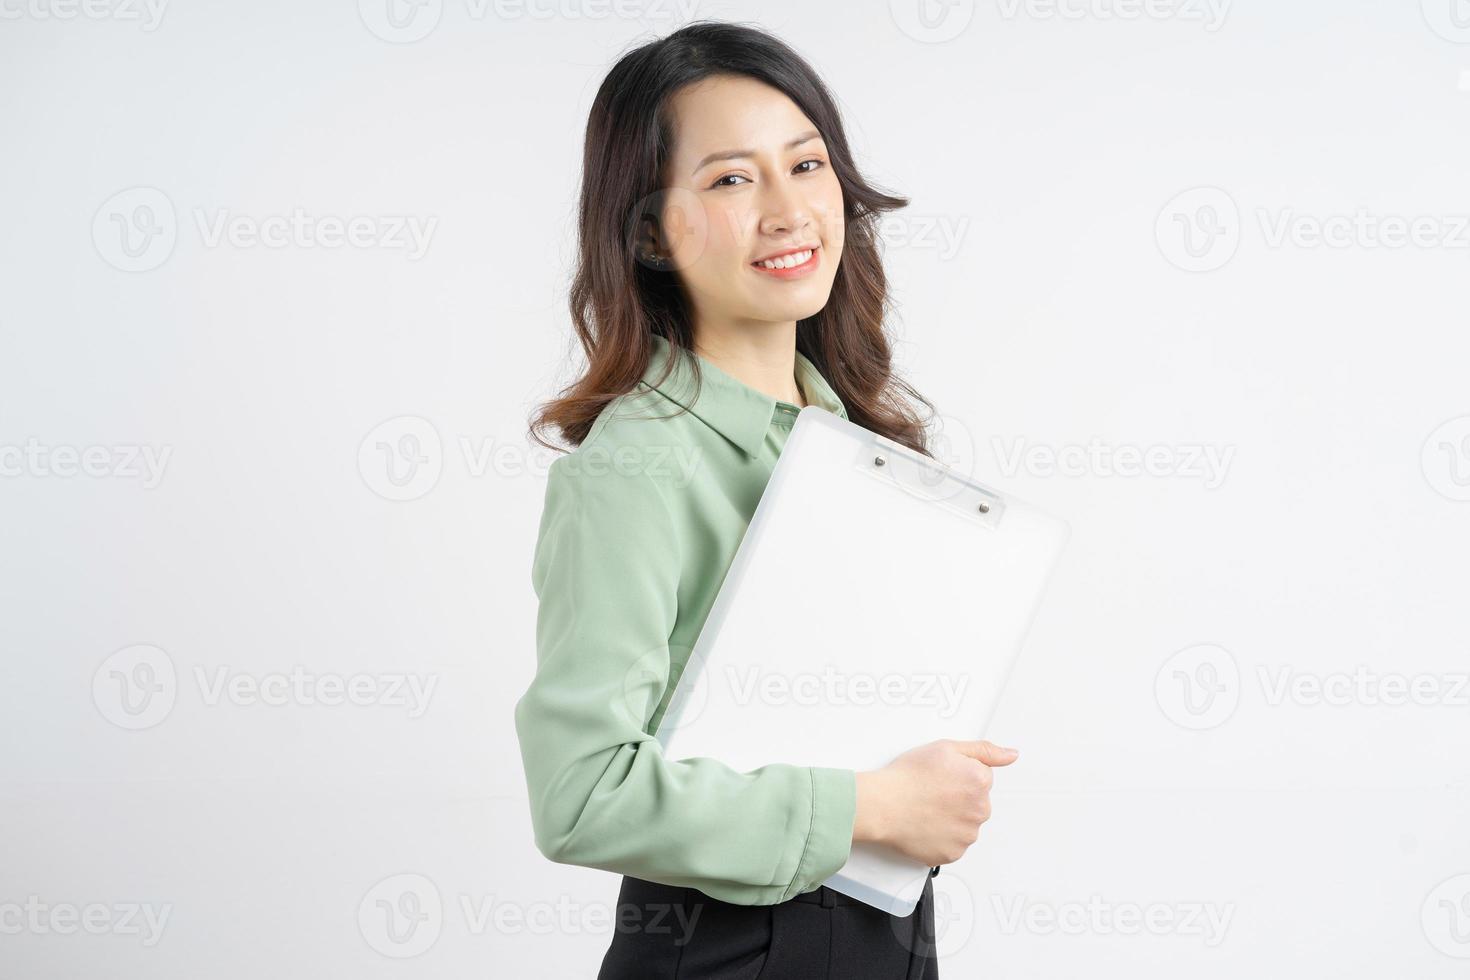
(929, 802)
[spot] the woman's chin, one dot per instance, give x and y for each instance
(793, 307)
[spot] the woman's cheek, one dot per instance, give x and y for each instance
(833, 223)
(725, 243)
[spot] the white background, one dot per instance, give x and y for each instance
(1091, 259)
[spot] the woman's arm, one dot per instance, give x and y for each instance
(606, 572)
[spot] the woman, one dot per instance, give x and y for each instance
(728, 276)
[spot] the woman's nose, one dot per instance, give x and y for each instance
(783, 209)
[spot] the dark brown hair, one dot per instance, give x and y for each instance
(618, 302)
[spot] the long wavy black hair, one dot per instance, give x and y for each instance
(618, 302)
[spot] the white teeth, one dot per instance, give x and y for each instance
(787, 261)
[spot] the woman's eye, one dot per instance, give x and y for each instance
(721, 182)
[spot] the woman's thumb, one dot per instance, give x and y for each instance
(988, 752)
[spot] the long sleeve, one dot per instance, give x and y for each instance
(606, 574)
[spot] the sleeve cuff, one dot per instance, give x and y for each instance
(829, 842)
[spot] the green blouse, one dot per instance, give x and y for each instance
(638, 528)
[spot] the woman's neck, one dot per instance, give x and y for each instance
(762, 356)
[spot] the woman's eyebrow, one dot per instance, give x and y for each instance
(809, 135)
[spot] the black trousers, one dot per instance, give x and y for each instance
(662, 932)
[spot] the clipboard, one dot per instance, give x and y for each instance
(877, 601)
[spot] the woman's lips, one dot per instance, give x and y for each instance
(796, 271)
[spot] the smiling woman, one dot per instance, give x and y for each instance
(789, 179)
(728, 276)
(706, 153)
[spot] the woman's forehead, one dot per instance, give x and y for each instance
(725, 114)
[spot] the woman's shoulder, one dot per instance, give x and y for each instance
(643, 420)
(640, 436)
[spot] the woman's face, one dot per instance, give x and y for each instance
(749, 178)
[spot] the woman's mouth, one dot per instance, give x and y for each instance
(793, 266)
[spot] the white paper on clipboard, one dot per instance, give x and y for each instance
(877, 601)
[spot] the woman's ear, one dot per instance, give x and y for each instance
(648, 248)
